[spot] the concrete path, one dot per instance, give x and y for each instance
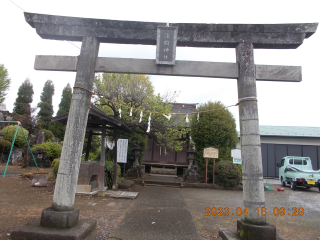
(157, 213)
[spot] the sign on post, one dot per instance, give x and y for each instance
(122, 150)
(236, 155)
(166, 45)
(211, 152)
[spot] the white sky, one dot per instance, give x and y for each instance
(281, 104)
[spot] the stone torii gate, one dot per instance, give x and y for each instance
(243, 37)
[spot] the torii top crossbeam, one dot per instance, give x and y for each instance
(266, 36)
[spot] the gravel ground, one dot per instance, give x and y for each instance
(20, 203)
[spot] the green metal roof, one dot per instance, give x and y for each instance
(289, 131)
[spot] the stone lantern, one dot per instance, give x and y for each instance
(135, 171)
(191, 174)
(136, 153)
(191, 155)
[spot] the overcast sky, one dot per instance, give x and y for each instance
(280, 104)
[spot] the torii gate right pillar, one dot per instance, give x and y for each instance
(254, 223)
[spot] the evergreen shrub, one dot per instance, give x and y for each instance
(53, 150)
(5, 145)
(9, 132)
(55, 167)
(108, 177)
(227, 174)
(47, 134)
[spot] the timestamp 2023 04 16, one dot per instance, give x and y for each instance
(282, 211)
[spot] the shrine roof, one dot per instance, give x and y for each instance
(95, 120)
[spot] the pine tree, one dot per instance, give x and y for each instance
(46, 109)
(65, 103)
(24, 99)
(57, 128)
(4, 82)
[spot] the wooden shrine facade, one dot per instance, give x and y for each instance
(159, 156)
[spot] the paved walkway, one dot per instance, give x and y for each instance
(158, 213)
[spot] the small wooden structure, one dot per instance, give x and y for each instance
(97, 121)
(156, 156)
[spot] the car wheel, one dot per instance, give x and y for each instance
(307, 187)
(283, 183)
(293, 185)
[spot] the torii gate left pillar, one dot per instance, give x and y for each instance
(62, 214)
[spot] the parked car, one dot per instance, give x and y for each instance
(298, 171)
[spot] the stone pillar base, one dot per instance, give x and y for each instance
(34, 231)
(101, 193)
(62, 220)
(248, 231)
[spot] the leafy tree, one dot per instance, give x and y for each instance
(128, 91)
(9, 133)
(5, 82)
(46, 109)
(57, 128)
(216, 129)
(24, 98)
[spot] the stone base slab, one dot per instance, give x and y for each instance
(83, 188)
(231, 234)
(56, 219)
(256, 232)
(34, 231)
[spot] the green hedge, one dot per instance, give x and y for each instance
(227, 174)
(47, 134)
(108, 177)
(9, 132)
(5, 146)
(55, 167)
(53, 150)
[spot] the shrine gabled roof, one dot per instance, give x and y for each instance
(96, 117)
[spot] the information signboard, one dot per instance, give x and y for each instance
(166, 45)
(122, 150)
(210, 152)
(236, 155)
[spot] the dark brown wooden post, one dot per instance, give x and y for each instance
(214, 170)
(88, 146)
(115, 167)
(206, 169)
(101, 191)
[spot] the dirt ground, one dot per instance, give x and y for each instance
(21, 203)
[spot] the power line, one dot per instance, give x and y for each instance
(73, 44)
(18, 6)
(25, 11)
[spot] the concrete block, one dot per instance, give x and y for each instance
(83, 188)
